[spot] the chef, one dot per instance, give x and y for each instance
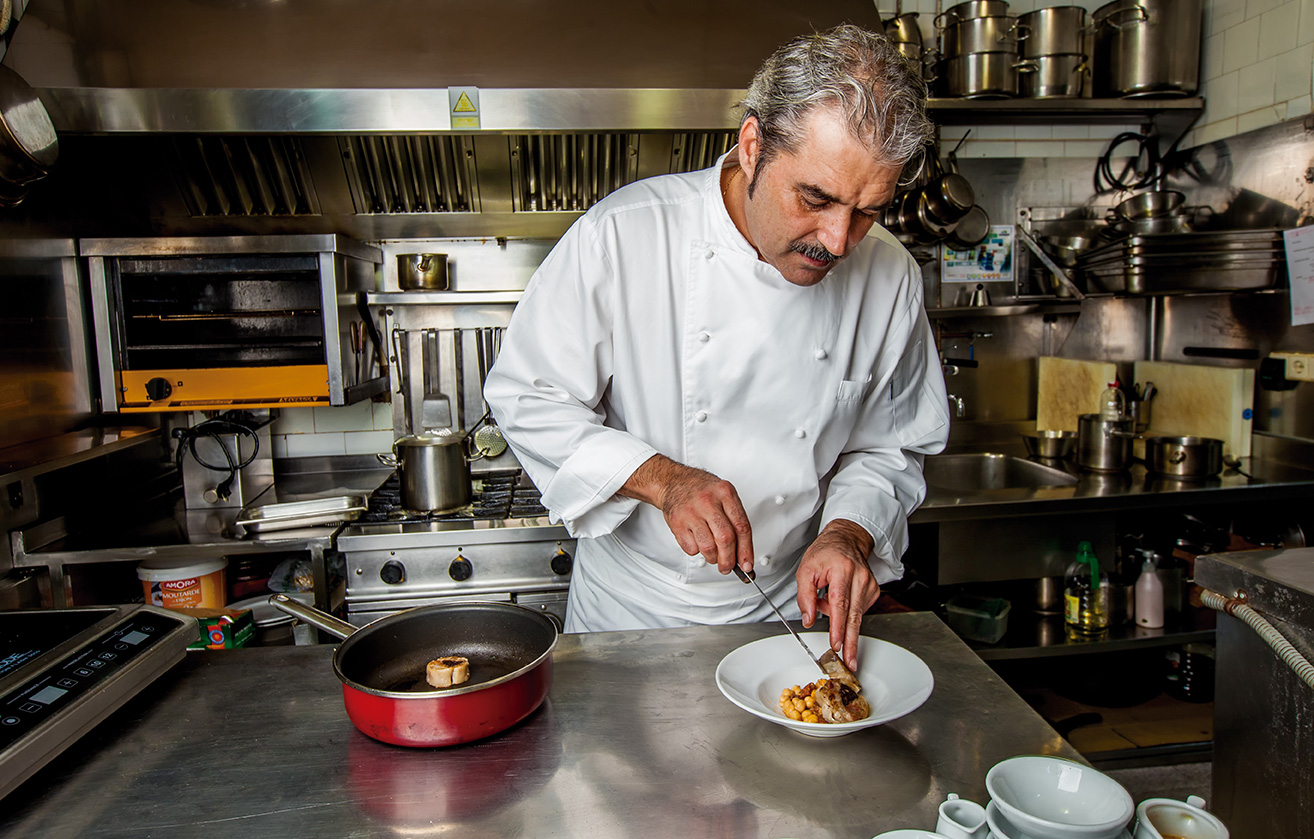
(734, 366)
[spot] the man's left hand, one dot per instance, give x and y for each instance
(837, 561)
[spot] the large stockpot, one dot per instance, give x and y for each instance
(1104, 445)
(1052, 76)
(1057, 30)
(1147, 48)
(382, 669)
(981, 34)
(904, 29)
(434, 469)
(1184, 457)
(980, 75)
(972, 9)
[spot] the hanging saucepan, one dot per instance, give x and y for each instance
(970, 231)
(422, 271)
(948, 194)
(382, 669)
(28, 145)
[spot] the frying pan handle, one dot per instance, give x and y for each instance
(311, 615)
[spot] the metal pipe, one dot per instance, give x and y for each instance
(1237, 608)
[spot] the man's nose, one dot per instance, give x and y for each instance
(834, 233)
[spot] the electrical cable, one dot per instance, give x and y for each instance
(1147, 147)
(233, 422)
(1285, 651)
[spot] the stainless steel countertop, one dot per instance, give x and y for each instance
(634, 740)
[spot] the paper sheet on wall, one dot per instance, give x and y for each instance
(1299, 244)
(990, 261)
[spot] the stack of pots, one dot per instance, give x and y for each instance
(1053, 50)
(1148, 48)
(978, 50)
(906, 35)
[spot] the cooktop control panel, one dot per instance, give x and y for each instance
(65, 671)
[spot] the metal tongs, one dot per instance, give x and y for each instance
(751, 577)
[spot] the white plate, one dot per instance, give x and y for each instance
(894, 681)
(1002, 828)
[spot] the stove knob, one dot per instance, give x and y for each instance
(392, 572)
(460, 569)
(562, 563)
(157, 389)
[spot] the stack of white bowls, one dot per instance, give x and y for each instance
(1040, 797)
(978, 51)
(1052, 45)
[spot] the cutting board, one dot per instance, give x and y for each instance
(1067, 388)
(1201, 401)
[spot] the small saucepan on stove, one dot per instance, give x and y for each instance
(1184, 457)
(434, 470)
(382, 669)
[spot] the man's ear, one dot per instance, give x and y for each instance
(750, 146)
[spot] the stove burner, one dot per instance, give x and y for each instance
(495, 496)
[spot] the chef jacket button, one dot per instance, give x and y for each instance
(780, 499)
(800, 433)
(765, 560)
(701, 416)
(820, 355)
(709, 253)
(704, 337)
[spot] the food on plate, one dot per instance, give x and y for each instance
(448, 671)
(837, 699)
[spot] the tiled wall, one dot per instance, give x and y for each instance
(363, 428)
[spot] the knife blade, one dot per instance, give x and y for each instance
(751, 577)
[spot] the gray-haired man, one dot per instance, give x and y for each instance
(734, 367)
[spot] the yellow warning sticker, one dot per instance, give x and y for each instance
(464, 107)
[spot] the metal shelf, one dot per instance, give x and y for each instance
(1033, 635)
(1064, 307)
(1170, 118)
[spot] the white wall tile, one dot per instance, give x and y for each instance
(1279, 28)
(1220, 130)
(357, 417)
(1034, 132)
(1071, 132)
(1293, 73)
(1305, 32)
(315, 445)
(1222, 15)
(990, 132)
(382, 416)
(1299, 107)
(1084, 148)
(1259, 8)
(1256, 84)
(278, 446)
(367, 442)
(1211, 57)
(1041, 148)
(1241, 45)
(1221, 98)
(294, 421)
(988, 148)
(1259, 118)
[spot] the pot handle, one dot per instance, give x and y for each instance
(388, 459)
(1027, 66)
(1177, 456)
(425, 260)
(309, 614)
(1144, 15)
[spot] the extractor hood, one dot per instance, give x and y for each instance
(398, 118)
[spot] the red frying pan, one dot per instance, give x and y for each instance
(381, 667)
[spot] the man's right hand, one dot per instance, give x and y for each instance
(703, 511)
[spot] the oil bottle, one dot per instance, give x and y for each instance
(1085, 597)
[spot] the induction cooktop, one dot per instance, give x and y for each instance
(62, 671)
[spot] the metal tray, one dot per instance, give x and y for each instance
(293, 514)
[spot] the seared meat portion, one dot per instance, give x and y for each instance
(838, 698)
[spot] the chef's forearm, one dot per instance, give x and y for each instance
(849, 537)
(648, 482)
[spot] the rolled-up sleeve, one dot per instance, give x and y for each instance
(547, 387)
(878, 481)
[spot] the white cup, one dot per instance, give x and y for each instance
(1160, 818)
(961, 819)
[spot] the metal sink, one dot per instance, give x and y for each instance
(986, 471)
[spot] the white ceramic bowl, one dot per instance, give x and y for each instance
(910, 834)
(1055, 798)
(894, 681)
(1002, 828)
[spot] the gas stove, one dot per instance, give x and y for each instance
(501, 546)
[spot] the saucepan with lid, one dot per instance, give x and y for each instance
(1184, 457)
(382, 669)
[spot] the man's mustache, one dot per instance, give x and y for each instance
(814, 250)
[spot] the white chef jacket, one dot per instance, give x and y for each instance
(652, 327)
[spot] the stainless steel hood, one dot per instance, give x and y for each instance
(333, 116)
